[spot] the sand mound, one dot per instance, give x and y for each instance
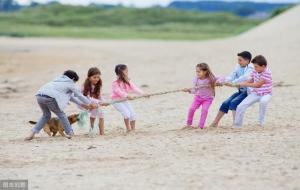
(280, 28)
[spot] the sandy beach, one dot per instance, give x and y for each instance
(159, 155)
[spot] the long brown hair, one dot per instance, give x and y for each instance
(119, 72)
(87, 87)
(211, 77)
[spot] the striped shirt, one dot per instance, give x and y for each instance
(202, 88)
(266, 76)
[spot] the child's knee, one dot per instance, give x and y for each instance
(132, 117)
(204, 111)
(193, 108)
(234, 104)
(263, 102)
(47, 116)
(241, 107)
(126, 114)
(224, 107)
(205, 108)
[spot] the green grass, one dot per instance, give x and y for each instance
(120, 23)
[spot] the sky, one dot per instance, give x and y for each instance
(136, 3)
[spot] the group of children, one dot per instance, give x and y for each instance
(253, 81)
(251, 77)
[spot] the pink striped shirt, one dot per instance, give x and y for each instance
(202, 88)
(266, 76)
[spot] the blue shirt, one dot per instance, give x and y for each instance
(240, 74)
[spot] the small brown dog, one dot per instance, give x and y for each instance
(54, 125)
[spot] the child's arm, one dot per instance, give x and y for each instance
(246, 76)
(78, 102)
(135, 89)
(77, 93)
(252, 84)
(248, 83)
(220, 81)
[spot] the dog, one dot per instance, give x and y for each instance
(54, 125)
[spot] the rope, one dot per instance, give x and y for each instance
(144, 96)
(155, 94)
(83, 116)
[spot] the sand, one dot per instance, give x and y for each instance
(159, 155)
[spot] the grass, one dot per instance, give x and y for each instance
(57, 20)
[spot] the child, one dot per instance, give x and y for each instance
(54, 96)
(241, 73)
(120, 89)
(204, 90)
(261, 83)
(92, 89)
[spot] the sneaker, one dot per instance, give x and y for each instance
(69, 136)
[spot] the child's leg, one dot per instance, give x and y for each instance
(264, 100)
(223, 109)
(217, 119)
(101, 126)
(125, 113)
(62, 117)
(43, 120)
(247, 102)
(101, 121)
(236, 101)
(94, 114)
(205, 106)
(195, 105)
(132, 118)
(92, 122)
(42, 101)
(132, 125)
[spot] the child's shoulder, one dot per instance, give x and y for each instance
(119, 83)
(267, 73)
(268, 70)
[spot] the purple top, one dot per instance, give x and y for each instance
(202, 88)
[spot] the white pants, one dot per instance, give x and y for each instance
(126, 110)
(247, 102)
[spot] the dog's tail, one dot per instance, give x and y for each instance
(32, 122)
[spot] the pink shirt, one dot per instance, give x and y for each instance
(266, 76)
(202, 88)
(120, 89)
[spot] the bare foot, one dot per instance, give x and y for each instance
(187, 127)
(213, 125)
(30, 137)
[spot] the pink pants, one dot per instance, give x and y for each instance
(198, 101)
